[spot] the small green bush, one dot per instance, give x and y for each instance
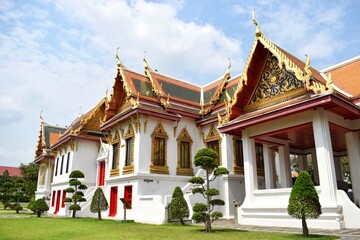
(40, 207)
(18, 208)
(178, 206)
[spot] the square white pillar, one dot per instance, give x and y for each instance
(353, 149)
(285, 168)
(268, 167)
(250, 171)
(325, 159)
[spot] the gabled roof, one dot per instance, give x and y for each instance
(13, 171)
(275, 83)
(158, 95)
(85, 126)
(262, 48)
(346, 76)
(49, 134)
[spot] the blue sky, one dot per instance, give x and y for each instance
(59, 56)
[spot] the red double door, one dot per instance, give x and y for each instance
(102, 173)
(113, 201)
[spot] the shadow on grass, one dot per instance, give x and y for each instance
(221, 230)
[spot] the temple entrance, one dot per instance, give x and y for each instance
(102, 173)
(57, 206)
(113, 201)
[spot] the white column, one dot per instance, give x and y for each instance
(324, 155)
(338, 168)
(353, 149)
(250, 173)
(302, 159)
(315, 166)
(268, 167)
(285, 168)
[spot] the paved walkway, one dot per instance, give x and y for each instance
(345, 234)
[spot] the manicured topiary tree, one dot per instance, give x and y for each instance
(18, 191)
(7, 188)
(304, 200)
(75, 188)
(31, 206)
(205, 158)
(178, 206)
(40, 207)
(99, 202)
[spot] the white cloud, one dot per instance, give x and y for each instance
(174, 47)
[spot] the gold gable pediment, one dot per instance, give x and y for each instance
(274, 86)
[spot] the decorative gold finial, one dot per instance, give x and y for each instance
(41, 117)
(79, 112)
(307, 64)
(107, 90)
(117, 57)
(229, 66)
(145, 62)
(258, 31)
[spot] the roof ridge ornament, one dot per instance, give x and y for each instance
(41, 117)
(258, 31)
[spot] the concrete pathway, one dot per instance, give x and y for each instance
(345, 234)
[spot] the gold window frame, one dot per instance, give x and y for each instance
(184, 137)
(115, 172)
(237, 169)
(127, 169)
(159, 132)
(214, 135)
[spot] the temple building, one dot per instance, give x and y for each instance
(140, 143)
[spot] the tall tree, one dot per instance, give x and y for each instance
(178, 206)
(30, 174)
(304, 200)
(6, 190)
(18, 191)
(75, 188)
(99, 202)
(205, 158)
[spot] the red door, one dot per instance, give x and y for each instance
(113, 201)
(128, 195)
(57, 207)
(102, 173)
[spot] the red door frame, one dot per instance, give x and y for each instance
(102, 173)
(63, 198)
(57, 207)
(113, 201)
(128, 195)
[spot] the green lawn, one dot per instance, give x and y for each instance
(86, 228)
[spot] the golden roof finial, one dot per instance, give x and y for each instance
(79, 112)
(307, 64)
(117, 57)
(146, 65)
(41, 117)
(107, 90)
(258, 31)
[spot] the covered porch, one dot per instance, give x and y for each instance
(316, 138)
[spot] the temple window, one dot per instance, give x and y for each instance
(159, 151)
(238, 156)
(115, 155)
(184, 143)
(213, 141)
(259, 159)
(56, 166)
(62, 164)
(129, 151)
(67, 162)
(42, 173)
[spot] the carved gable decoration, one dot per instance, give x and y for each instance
(130, 132)
(116, 137)
(159, 131)
(184, 136)
(275, 85)
(212, 135)
(94, 121)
